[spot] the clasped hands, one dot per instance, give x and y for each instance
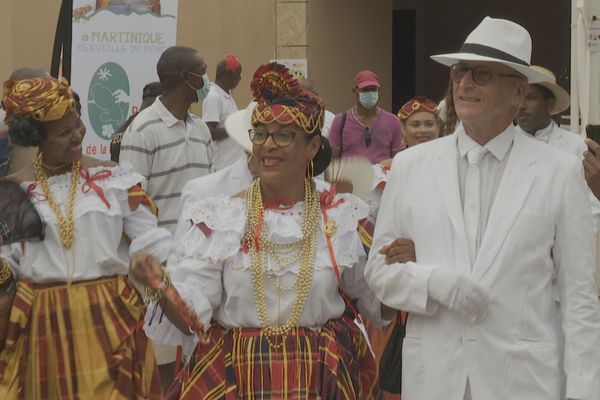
(456, 291)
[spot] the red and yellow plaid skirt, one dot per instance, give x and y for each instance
(331, 363)
(83, 340)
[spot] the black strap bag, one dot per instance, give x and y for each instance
(390, 365)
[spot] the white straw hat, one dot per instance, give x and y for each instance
(238, 124)
(497, 40)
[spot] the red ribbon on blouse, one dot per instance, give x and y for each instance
(90, 185)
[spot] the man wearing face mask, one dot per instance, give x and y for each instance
(170, 146)
(366, 130)
(218, 105)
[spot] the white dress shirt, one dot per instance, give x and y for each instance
(492, 168)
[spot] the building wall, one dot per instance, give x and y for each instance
(446, 27)
(344, 37)
(213, 27)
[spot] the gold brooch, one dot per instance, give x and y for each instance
(330, 228)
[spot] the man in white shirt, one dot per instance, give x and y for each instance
(495, 216)
(542, 101)
(170, 146)
(218, 105)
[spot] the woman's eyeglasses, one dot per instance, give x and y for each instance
(280, 138)
(481, 75)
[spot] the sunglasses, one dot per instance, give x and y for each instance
(280, 138)
(481, 75)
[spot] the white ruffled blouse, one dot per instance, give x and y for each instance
(213, 274)
(99, 248)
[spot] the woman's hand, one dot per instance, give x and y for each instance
(144, 267)
(400, 250)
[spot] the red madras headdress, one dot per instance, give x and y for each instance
(280, 98)
(417, 104)
(43, 98)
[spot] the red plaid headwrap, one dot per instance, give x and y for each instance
(282, 99)
(417, 104)
(43, 98)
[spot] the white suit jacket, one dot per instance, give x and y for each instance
(539, 227)
(574, 144)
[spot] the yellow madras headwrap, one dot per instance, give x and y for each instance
(43, 98)
(280, 98)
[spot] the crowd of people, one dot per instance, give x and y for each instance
(219, 257)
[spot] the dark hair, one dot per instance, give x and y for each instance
(547, 93)
(173, 61)
(153, 89)
(323, 157)
(26, 132)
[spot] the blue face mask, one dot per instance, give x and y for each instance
(203, 91)
(368, 99)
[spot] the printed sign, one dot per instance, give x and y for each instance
(116, 45)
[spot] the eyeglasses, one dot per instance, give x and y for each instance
(367, 136)
(280, 138)
(481, 75)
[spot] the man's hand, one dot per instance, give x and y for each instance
(144, 267)
(459, 293)
(399, 251)
(591, 166)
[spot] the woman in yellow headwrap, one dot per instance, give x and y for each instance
(268, 270)
(75, 325)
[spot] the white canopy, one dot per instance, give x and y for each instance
(585, 68)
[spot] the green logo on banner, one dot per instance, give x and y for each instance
(108, 99)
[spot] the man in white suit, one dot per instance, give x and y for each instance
(494, 216)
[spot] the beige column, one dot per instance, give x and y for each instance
(291, 29)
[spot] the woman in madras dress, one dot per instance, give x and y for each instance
(262, 270)
(75, 327)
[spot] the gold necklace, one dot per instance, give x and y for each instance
(259, 243)
(65, 223)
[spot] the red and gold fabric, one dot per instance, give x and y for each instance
(417, 104)
(138, 196)
(44, 98)
(333, 362)
(83, 340)
(280, 98)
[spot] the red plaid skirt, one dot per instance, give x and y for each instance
(83, 340)
(332, 363)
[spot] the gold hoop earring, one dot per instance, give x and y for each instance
(249, 161)
(310, 169)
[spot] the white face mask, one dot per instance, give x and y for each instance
(368, 99)
(203, 91)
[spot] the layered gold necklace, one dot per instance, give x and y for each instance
(260, 247)
(65, 223)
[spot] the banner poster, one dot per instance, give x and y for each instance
(116, 45)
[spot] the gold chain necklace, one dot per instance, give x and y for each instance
(258, 245)
(65, 223)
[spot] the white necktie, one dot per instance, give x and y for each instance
(472, 200)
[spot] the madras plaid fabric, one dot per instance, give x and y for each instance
(83, 340)
(137, 196)
(331, 363)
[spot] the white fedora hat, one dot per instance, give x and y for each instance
(238, 124)
(497, 40)
(562, 100)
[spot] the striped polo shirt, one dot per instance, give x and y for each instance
(168, 152)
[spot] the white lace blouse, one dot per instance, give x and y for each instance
(213, 274)
(98, 249)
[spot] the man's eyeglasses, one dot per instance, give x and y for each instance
(481, 75)
(281, 138)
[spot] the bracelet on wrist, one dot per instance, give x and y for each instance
(151, 294)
